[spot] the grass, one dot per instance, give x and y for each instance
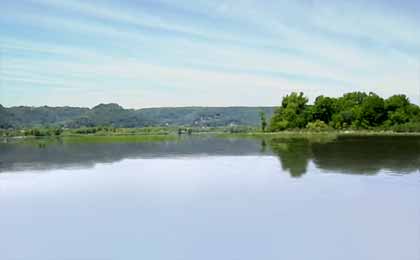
(126, 135)
(314, 134)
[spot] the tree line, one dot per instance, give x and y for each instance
(355, 110)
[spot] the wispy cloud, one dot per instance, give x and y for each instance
(162, 53)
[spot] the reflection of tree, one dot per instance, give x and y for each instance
(368, 155)
(354, 155)
(84, 152)
(263, 146)
(351, 155)
(293, 154)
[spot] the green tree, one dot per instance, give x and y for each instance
(58, 131)
(398, 110)
(351, 99)
(399, 116)
(396, 101)
(291, 114)
(372, 111)
(263, 121)
(324, 108)
(348, 110)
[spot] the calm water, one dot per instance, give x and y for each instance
(209, 198)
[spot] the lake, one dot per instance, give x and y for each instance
(211, 198)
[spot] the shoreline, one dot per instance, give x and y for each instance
(173, 135)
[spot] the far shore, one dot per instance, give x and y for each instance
(138, 135)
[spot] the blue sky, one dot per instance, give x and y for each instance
(212, 53)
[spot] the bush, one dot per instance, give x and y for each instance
(279, 125)
(407, 127)
(317, 126)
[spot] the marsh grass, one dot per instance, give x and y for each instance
(85, 139)
(316, 136)
(312, 135)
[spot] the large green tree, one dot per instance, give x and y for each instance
(372, 111)
(324, 108)
(291, 114)
(348, 110)
(398, 110)
(263, 120)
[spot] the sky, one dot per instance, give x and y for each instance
(161, 53)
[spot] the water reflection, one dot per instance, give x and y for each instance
(52, 154)
(294, 154)
(369, 155)
(352, 155)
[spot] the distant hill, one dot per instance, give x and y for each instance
(6, 118)
(117, 116)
